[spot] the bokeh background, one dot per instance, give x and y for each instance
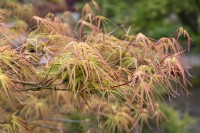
(154, 18)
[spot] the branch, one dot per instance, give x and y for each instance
(164, 58)
(127, 47)
(65, 120)
(122, 84)
(42, 88)
(25, 82)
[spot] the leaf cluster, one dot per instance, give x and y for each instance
(87, 71)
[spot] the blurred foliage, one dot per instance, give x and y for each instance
(174, 122)
(195, 80)
(16, 10)
(16, 14)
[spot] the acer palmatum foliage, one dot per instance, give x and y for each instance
(117, 80)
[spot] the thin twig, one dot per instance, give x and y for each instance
(25, 82)
(42, 88)
(65, 120)
(122, 84)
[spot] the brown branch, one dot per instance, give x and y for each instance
(127, 47)
(25, 82)
(164, 58)
(64, 120)
(122, 84)
(42, 88)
